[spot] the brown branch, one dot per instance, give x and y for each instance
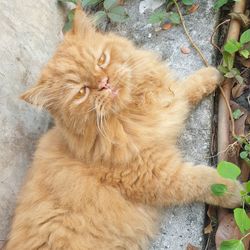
(229, 111)
(214, 32)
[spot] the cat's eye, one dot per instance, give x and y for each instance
(102, 60)
(82, 92)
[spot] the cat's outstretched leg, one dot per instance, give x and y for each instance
(200, 84)
(174, 182)
(193, 183)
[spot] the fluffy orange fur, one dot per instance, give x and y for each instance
(100, 176)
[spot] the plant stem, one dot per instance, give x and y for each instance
(214, 32)
(188, 36)
(223, 111)
(229, 111)
(245, 236)
(206, 63)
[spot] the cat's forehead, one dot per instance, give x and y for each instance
(97, 44)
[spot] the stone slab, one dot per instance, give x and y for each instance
(180, 225)
(30, 31)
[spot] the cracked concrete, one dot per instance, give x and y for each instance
(30, 34)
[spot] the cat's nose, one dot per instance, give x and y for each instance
(103, 83)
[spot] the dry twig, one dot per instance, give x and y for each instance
(214, 32)
(205, 60)
(188, 35)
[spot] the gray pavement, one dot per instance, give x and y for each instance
(30, 33)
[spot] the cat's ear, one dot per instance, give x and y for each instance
(82, 24)
(36, 95)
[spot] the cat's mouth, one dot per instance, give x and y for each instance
(104, 85)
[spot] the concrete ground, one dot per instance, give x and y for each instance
(30, 33)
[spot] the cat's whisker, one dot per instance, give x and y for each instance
(98, 119)
(103, 127)
(89, 110)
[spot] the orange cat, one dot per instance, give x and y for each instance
(100, 176)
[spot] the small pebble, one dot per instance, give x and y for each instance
(157, 29)
(185, 50)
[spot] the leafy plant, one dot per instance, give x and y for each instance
(167, 16)
(245, 153)
(219, 3)
(232, 245)
(231, 171)
(111, 10)
(242, 220)
(230, 48)
(228, 170)
(218, 189)
(237, 114)
(188, 2)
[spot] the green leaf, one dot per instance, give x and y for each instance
(232, 46)
(245, 37)
(247, 199)
(243, 155)
(239, 79)
(117, 14)
(174, 18)
(99, 17)
(68, 25)
(228, 60)
(219, 3)
(241, 219)
(232, 73)
(228, 170)
(188, 2)
(245, 53)
(108, 4)
(157, 16)
(232, 245)
(218, 189)
(229, 75)
(237, 114)
(68, 1)
(86, 3)
(247, 185)
(247, 147)
(223, 69)
(70, 15)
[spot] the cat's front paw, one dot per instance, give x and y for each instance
(214, 76)
(232, 197)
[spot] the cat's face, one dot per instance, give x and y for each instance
(91, 74)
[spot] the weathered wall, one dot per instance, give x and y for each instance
(30, 31)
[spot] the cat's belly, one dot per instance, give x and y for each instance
(65, 211)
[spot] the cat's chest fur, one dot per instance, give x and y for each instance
(86, 201)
